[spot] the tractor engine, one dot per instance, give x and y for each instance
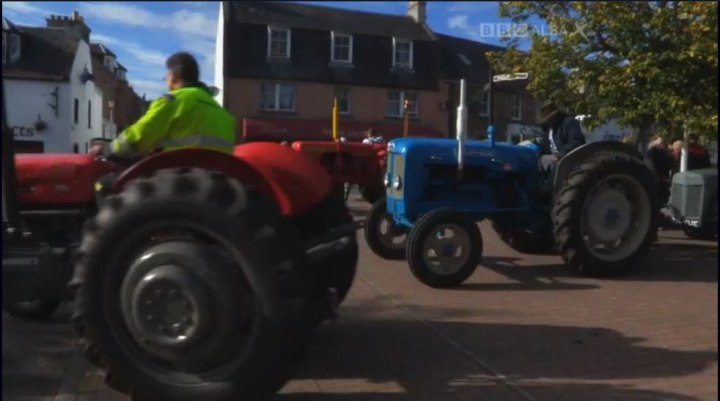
(423, 174)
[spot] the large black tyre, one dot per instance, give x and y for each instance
(525, 242)
(336, 271)
(617, 177)
(34, 310)
(418, 247)
(383, 244)
(262, 319)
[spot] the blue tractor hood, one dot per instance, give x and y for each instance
(501, 156)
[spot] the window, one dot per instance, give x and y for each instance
(120, 74)
(516, 107)
(343, 97)
(89, 113)
(4, 47)
(341, 48)
(109, 62)
(396, 102)
(278, 42)
(484, 103)
(402, 53)
(76, 113)
(13, 47)
(278, 97)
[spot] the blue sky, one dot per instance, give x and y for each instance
(143, 34)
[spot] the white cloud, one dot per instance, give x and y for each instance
(152, 89)
(458, 22)
(472, 7)
(21, 7)
(182, 21)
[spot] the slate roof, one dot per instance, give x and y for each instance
(45, 54)
(99, 48)
(8, 26)
(464, 58)
(296, 15)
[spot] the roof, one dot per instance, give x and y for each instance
(45, 54)
(464, 58)
(8, 26)
(100, 48)
(296, 15)
(120, 66)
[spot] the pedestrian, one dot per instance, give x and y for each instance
(698, 157)
(371, 137)
(660, 160)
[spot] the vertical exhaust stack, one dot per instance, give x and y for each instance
(461, 126)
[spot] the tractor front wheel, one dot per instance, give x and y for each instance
(191, 288)
(606, 215)
(444, 248)
(384, 237)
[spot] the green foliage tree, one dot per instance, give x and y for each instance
(646, 63)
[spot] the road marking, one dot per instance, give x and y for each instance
(477, 360)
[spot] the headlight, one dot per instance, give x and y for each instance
(386, 181)
(397, 183)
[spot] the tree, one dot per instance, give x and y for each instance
(646, 63)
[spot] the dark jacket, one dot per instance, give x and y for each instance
(566, 134)
(660, 161)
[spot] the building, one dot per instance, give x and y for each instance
(279, 65)
(53, 104)
(121, 105)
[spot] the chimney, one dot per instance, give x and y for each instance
(75, 24)
(417, 10)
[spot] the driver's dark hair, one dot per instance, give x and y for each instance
(184, 65)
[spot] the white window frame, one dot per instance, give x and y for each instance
(334, 35)
(516, 109)
(288, 46)
(394, 55)
(276, 101)
(347, 112)
(412, 113)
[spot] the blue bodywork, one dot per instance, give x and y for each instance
(500, 181)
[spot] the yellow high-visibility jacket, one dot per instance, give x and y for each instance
(184, 118)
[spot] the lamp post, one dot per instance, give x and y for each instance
(111, 106)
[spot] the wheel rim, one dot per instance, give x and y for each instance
(447, 249)
(391, 235)
(615, 218)
(222, 309)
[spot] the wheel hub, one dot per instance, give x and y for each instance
(610, 215)
(390, 234)
(174, 299)
(448, 249)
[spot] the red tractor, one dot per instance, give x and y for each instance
(350, 162)
(202, 274)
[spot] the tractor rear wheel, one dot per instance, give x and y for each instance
(385, 238)
(605, 215)
(444, 248)
(190, 287)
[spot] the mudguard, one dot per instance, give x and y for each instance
(294, 181)
(571, 161)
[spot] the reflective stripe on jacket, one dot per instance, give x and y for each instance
(185, 118)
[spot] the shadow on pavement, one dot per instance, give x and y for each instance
(406, 361)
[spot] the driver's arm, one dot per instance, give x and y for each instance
(149, 130)
(573, 138)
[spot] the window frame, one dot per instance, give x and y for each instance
(485, 99)
(349, 96)
(396, 41)
(288, 43)
(516, 107)
(333, 36)
(276, 97)
(413, 112)
(89, 114)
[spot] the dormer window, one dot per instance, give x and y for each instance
(11, 47)
(109, 63)
(341, 48)
(402, 53)
(278, 42)
(120, 74)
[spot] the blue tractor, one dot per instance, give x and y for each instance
(597, 206)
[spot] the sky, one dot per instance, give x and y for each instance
(144, 34)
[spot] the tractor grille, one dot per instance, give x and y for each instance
(688, 200)
(397, 167)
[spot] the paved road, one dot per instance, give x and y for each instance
(523, 328)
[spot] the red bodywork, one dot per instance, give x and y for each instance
(350, 162)
(59, 178)
(293, 180)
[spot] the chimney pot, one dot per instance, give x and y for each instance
(417, 10)
(76, 16)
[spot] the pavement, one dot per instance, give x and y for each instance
(523, 328)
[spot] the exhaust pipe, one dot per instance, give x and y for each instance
(461, 127)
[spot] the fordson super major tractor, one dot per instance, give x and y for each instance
(202, 274)
(598, 205)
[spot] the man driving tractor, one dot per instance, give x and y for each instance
(186, 117)
(562, 132)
